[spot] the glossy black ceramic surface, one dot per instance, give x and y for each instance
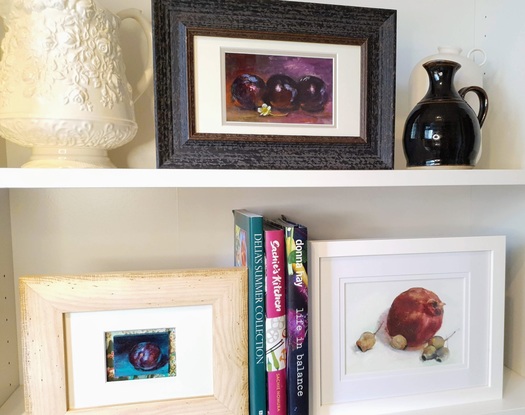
(442, 129)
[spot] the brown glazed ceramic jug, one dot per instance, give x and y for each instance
(443, 130)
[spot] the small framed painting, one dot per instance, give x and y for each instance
(140, 354)
(127, 343)
(238, 88)
(398, 324)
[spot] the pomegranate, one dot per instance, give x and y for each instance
(416, 314)
(146, 356)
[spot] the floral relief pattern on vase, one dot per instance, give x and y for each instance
(68, 133)
(63, 85)
(76, 46)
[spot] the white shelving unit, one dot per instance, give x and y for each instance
(137, 217)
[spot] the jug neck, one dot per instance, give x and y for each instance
(441, 79)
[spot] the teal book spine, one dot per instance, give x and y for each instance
(249, 252)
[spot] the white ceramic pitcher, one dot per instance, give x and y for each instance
(63, 87)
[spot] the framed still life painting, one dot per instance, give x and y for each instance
(270, 84)
(406, 324)
(127, 343)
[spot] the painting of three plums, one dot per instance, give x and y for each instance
(280, 92)
(283, 89)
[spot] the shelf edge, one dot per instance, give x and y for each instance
(13, 178)
(513, 402)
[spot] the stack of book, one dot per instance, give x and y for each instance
(274, 251)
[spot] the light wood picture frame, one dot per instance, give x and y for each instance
(353, 285)
(46, 301)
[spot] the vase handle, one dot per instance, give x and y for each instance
(480, 51)
(147, 76)
(483, 101)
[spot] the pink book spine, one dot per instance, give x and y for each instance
(275, 321)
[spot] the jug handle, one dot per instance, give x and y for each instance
(483, 101)
(146, 78)
(481, 52)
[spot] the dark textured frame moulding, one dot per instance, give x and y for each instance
(178, 145)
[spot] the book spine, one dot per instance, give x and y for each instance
(249, 251)
(297, 320)
(275, 320)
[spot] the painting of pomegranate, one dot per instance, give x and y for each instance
(140, 354)
(412, 322)
(405, 326)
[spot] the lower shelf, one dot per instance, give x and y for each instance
(513, 402)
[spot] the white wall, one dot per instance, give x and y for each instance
(501, 33)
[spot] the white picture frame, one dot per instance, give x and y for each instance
(352, 286)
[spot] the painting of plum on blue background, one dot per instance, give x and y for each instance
(140, 354)
(278, 89)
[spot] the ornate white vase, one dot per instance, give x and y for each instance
(63, 86)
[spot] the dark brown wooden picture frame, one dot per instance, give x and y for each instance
(181, 145)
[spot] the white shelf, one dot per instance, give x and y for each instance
(157, 178)
(513, 402)
(15, 404)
